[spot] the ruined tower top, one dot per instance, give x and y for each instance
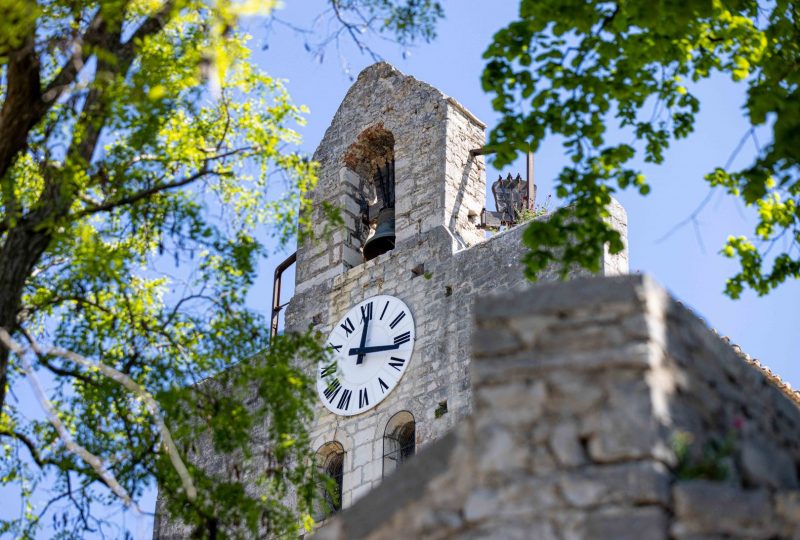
(391, 119)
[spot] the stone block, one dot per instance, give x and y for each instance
(703, 507)
(499, 451)
(533, 363)
(763, 464)
(514, 404)
(352, 256)
(638, 483)
(362, 455)
(627, 524)
(539, 530)
(628, 292)
(566, 445)
(571, 394)
(481, 504)
(787, 506)
(491, 341)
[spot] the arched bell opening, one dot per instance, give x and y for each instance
(399, 441)
(371, 157)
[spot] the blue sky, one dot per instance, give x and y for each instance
(686, 262)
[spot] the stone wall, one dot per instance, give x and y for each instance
(442, 302)
(603, 408)
(440, 262)
(441, 299)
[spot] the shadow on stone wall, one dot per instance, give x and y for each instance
(602, 409)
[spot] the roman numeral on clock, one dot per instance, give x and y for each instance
(397, 319)
(344, 401)
(366, 312)
(384, 310)
(396, 363)
(332, 390)
(384, 386)
(363, 398)
(337, 348)
(348, 326)
(405, 337)
(328, 370)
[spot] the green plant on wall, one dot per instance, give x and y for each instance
(713, 461)
(529, 214)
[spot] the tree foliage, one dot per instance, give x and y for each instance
(142, 157)
(575, 69)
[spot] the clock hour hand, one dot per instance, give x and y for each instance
(378, 348)
(363, 340)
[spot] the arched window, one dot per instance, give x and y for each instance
(330, 461)
(399, 441)
(371, 157)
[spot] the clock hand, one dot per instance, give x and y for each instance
(377, 348)
(363, 339)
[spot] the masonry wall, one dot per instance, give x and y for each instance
(441, 300)
(584, 394)
(441, 259)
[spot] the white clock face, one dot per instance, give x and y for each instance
(371, 347)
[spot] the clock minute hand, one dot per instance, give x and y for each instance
(377, 348)
(363, 340)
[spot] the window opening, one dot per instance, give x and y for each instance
(399, 441)
(371, 157)
(330, 463)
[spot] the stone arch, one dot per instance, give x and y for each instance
(371, 158)
(399, 441)
(330, 459)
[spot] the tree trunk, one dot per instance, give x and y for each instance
(22, 106)
(23, 248)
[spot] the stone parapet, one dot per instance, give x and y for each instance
(602, 408)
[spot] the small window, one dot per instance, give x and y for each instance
(399, 441)
(330, 461)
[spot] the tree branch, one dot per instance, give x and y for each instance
(30, 445)
(125, 381)
(60, 371)
(136, 197)
(90, 459)
(152, 25)
(69, 71)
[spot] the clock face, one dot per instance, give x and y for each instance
(371, 347)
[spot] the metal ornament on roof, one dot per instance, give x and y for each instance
(510, 198)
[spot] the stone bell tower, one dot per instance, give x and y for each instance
(391, 125)
(390, 116)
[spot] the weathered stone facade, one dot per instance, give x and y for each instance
(441, 189)
(438, 182)
(582, 391)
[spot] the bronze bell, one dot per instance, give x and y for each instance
(383, 239)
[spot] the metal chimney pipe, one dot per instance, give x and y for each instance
(276, 293)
